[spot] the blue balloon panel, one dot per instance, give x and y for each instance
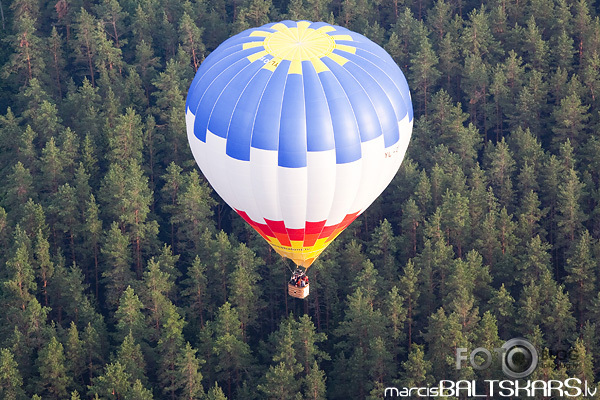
(299, 87)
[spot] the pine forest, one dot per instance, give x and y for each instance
(123, 275)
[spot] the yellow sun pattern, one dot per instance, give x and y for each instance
(299, 43)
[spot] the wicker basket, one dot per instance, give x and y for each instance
(298, 292)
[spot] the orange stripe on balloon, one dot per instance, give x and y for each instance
(278, 228)
(308, 242)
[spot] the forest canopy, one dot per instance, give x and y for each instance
(124, 276)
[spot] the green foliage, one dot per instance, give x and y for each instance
(11, 382)
(54, 380)
(123, 276)
(130, 320)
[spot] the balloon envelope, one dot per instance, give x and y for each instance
(299, 127)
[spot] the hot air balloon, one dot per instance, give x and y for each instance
(299, 126)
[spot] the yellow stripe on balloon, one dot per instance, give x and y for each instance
(295, 67)
(337, 58)
(303, 25)
(341, 37)
(271, 65)
(279, 27)
(326, 28)
(260, 33)
(256, 56)
(319, 65)
(346, 48)
(303, 256)
(251, 45)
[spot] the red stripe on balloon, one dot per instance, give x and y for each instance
(262, 229)
(314, 227)
(296, 234)
(278, 228)
(311, 232)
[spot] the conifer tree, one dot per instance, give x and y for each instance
(537, 48)
(394, 310)
(441, 345)
(559, 322)
(280, 381)
(193, 212)
(195, 291)
(75, 356)
(18, 190)
(581, 278)
(424, 71)
(571, 117)
(535, 261)
(580, 363)
(93, 227)
(384, 250)
(85, 44)
(130, 356)
(146, 62)
(215, 393)
(42, 263)
(455, 219)
(55, 380)
(449, 51)
(477, 37)
(487, 337)
(410, 292)
(502, 307)
(112, 16)
(20, 282)
(129, 316)
(27, 58)
(64, 206)
(116, 384)
(3, 231)
(530, 217)
(94, 344)
(296, 11)
(190, 36)
(156, 285)
(411, 219)
(244, 292)
(170, 100)
(475, 83)
(11, 382)
(189, 377)
(460, 299)
(83, 106)
(501, 168)
(361, 326)
(125, 141)
(314, 384)
(368, 280)
(34, 219)
(232, 354)
(222, 262)
(306, 340)
(380, 361)
(570, 216)
(117, 275)
(56, 59)
(68, 293)
(10, 130)
(170, 192)
(417, 370)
